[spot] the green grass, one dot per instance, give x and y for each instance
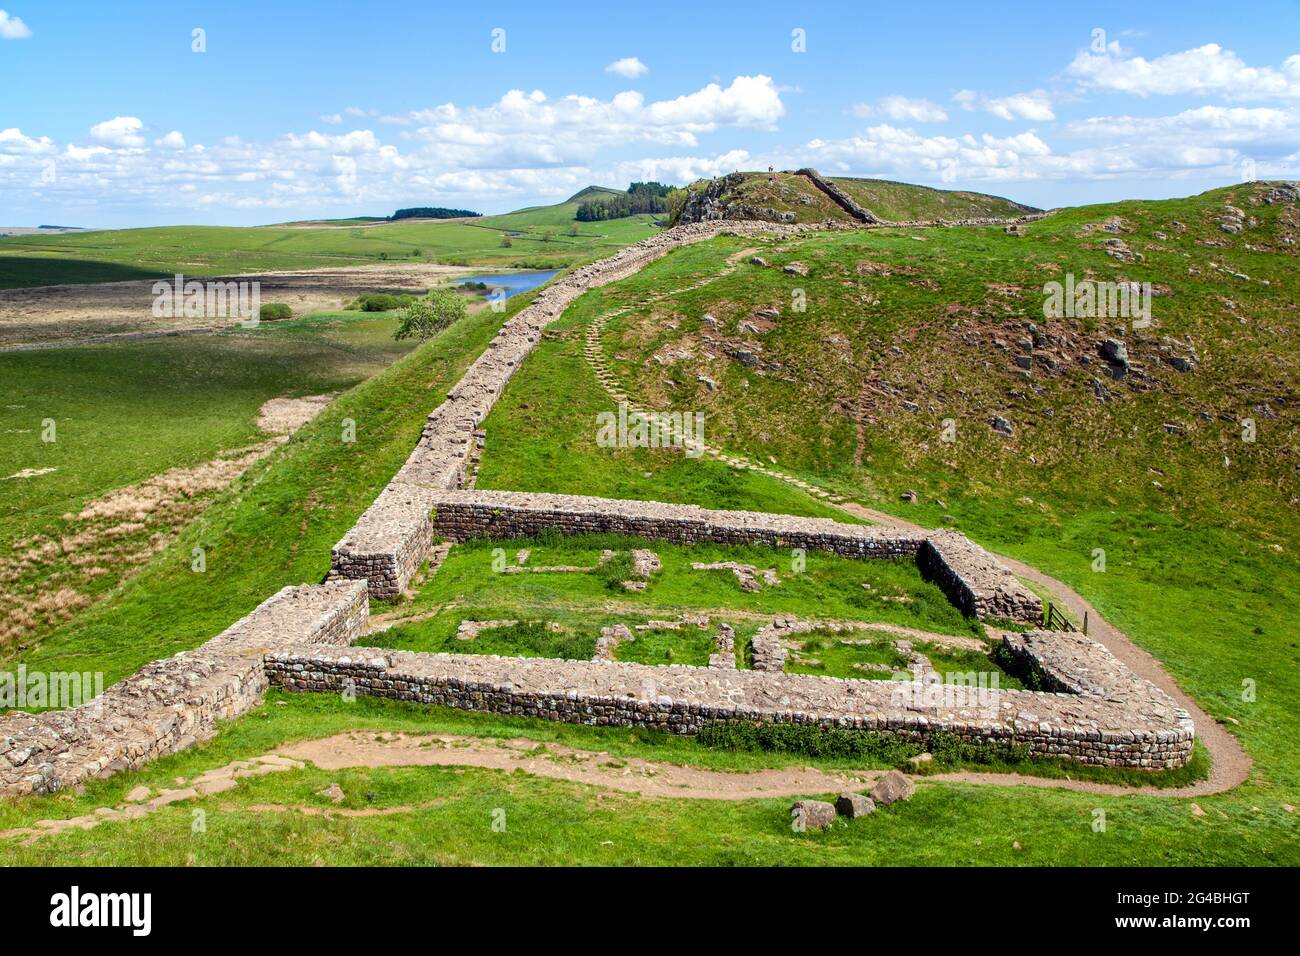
(828, 587)
(124, 412)
(558, 823)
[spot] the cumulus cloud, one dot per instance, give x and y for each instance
(12, 28)
(903, 109)
(1204, 70)
(680, 169)
(13, 140)
(173, 140)
(628, 67)
(1034, 105)
(119, 131)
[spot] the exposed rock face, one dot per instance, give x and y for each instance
(812, 814)
(1115, 352)
(891, 788)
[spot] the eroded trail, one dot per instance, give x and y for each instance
(557, 762)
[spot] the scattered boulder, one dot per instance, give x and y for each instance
(1182, 363)
(333, 793)
(1115, 352)
(1001, 425)
(812, 814)
(854, 805)
(891, 788)
(758, 261)
(909, 496)
(796, 269)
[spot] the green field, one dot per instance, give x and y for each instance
(539, 239)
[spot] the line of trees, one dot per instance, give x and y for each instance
(640, 198)
(432, 212)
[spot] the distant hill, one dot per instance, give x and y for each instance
(593, 192)
(793, 197)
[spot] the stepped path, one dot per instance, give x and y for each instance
(1231, 764)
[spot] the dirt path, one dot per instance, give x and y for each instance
(557, 762)
(1231, 764)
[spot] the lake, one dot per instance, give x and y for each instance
(512, 282)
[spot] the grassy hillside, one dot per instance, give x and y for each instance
(903, 202)
(785, 193)
(539, 239)
(901, 338)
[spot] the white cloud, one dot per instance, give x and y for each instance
(679, 169)
(119, 131)
(1205, 70)
(1034, 105)
(628, 67)
(173, 140)
(903, 109)
(12, 28)
(13, 140)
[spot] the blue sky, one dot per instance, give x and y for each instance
(295, 109)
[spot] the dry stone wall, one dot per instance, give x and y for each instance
(393, 537)
(972, 578)
(175, 702)
(1144, 729)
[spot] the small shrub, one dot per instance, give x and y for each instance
(273, 311)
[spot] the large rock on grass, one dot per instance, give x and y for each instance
(854, 805)
(812, 814)
(891, 788)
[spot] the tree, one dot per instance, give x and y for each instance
(505, 242)
(427, 317)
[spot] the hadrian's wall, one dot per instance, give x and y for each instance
(172, 703)
(1142, 729)
(972, 578)
(392, 538)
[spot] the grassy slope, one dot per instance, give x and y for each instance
(1199, 567)
(902, 202)
(543, 241)
(276, 524)
(558, 823)
(542, 432)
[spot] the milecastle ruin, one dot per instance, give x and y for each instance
(1094, 710)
